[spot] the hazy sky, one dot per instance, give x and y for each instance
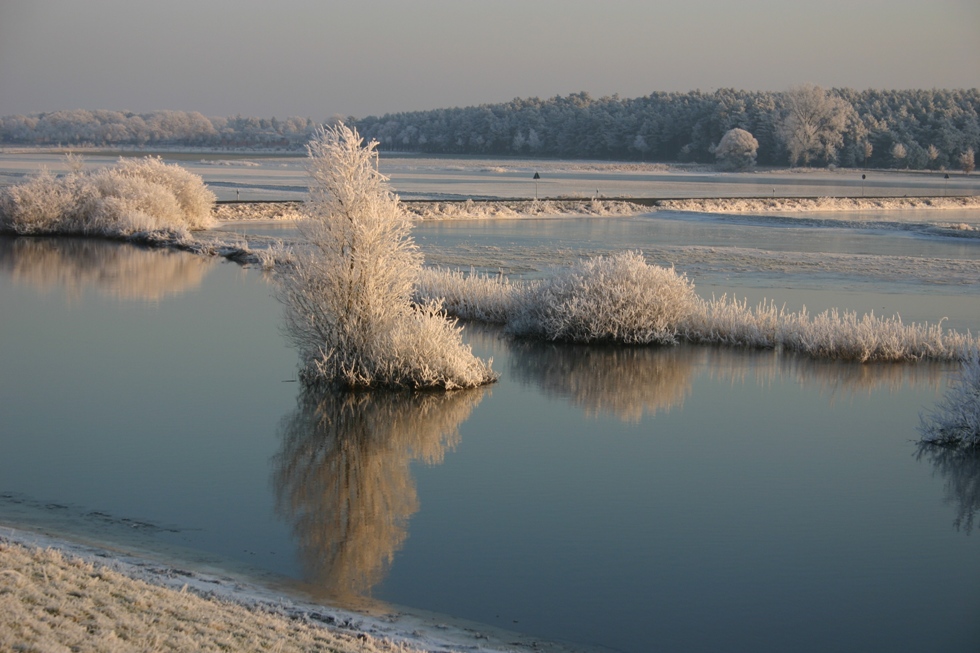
(360, 57)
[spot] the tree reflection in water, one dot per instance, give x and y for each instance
(118, 270)
(343, 482)
(960, 468)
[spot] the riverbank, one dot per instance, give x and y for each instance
(62, 595)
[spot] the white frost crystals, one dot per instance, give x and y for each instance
(135, 197)
(955, 422)
(348, 296)
(616, 299)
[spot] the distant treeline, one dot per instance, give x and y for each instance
(807, 125)
(156, 128)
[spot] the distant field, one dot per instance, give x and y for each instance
(282, 176)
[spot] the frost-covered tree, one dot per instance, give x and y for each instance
(967, 161)
(347, 299)
(898, 154)
(737, 150)
(812, 127)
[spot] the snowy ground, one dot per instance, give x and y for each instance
(57, 594)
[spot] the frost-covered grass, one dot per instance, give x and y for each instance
(522, 209)
(55, 602)
(348, 295)
(469, 296)
(807, 204)
(955, 422)
(622, 299)
(135, 196)
(831, 334)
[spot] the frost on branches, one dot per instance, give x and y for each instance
(955, 423)
(348, 298)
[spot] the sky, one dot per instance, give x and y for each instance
(320, 58)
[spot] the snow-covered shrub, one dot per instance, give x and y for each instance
(193, 198)
(134, 196)
(618, 298)
(36, 206)
(955, 422)
(348, 296)
(470, 296)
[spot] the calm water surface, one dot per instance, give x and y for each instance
(681, 499)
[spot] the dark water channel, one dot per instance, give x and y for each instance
(680, 499)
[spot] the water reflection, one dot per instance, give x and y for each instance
(832, 378)
(630, 382)
(961, 471)
(625, 382)
(119, 270)
(343, 482)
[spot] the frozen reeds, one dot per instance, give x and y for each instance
(471, 296)
(135, 196)
(831, 334)
(348, 294)
(955, 422)
(622, 299)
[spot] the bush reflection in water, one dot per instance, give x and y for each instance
(343, 482)
(117, 270)
(960, 469)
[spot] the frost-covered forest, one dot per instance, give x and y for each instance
(156, 128)
(806, 125)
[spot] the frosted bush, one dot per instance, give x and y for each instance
(348, 296)
(135, 196)
(618, 298)
(955, 422)
(194, 200)
(37, 205)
